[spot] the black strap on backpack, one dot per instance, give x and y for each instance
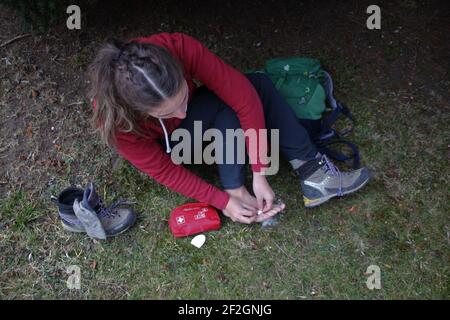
(324, 148)
(328, 136)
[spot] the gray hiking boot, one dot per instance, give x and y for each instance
(85, 211)
(65, 201)
(90, 221)
(321, 180)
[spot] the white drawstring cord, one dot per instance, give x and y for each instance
(166, 136)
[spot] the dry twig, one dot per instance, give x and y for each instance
(14, 39)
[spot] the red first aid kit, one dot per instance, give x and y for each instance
(192, 218)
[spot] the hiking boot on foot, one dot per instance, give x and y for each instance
(321, 180)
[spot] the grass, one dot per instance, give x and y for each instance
(17, 211)
(398, 222)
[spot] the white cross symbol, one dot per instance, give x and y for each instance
(180, 220)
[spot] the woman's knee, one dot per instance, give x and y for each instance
(260, 80)
(228, 117)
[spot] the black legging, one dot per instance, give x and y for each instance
(294, 140)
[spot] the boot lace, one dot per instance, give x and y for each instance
(110, 211)
(333, 170)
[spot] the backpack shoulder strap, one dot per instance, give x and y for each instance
(337, 107)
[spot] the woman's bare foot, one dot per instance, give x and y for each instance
(245, 196)
(276, 208)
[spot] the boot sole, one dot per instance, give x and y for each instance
(317, 202)
(71, 229)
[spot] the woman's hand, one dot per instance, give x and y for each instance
(270, 213)
(240, 211)
(263, 192)
(243, 207)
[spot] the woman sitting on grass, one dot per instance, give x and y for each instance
(143, 90)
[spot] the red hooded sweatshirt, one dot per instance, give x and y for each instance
(227, 83)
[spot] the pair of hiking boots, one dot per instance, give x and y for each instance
(85, 211)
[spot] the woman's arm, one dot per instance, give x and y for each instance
(230, 85)
(148, 156)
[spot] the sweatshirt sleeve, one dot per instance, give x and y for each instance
(231, 86)
(148, 156)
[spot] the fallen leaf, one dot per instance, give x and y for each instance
(53, 100)
(352, 209)
(34, 93)
(29, 131)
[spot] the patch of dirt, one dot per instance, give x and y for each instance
(44, 112)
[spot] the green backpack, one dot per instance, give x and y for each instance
(298, 80)
(308, 89)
